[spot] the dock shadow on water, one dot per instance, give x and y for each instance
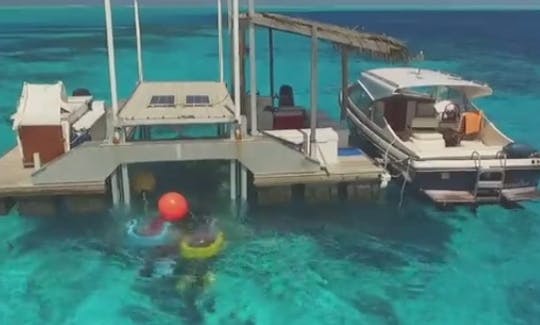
(280, 263)
(301, 259)
(341, 262)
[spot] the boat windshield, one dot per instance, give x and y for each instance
(441, 93)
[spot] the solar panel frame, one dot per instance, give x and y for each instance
(162, 101)
(197, 100)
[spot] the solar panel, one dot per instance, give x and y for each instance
(197, 100)
(162, 101)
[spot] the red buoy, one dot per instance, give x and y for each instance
(173, 206)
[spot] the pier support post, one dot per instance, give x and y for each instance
(125, 186)
(243, 183)
(115, 191)
(314, 83)
(233, 179)
(252, 71)
(243, 169)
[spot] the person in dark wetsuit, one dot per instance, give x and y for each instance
(194, 276)
(201, 231)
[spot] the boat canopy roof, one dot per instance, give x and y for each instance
(386, 82)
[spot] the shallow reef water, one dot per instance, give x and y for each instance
(354, 263)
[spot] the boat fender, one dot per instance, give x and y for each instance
(385, 179)
(81, 92)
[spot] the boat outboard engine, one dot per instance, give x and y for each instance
(81, 92)
(520, 150)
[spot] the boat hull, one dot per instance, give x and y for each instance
(451, 184)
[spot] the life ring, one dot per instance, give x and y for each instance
(190, 251)
(164, 237)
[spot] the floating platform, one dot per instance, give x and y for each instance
(17, 181)
(287, 158)
(446, 197)
(17, 186)
(271, 164)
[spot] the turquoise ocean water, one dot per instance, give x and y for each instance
(363, 263)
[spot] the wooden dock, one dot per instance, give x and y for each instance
(82, 178)
(347, 169)
(43, 199)
(16, 181)
(79, 175)
(351, 178)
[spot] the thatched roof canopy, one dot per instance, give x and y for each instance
(375, 45)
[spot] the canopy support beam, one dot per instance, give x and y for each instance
(314, 84)
(344, 80)
(271, 65)
(252, 72)
(138, 37)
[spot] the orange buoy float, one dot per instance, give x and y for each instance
(173, 206)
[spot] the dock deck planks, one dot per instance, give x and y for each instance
(15, 180)
(86, 168)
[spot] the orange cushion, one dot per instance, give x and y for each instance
(473, 122)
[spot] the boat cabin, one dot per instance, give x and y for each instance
(48, 123)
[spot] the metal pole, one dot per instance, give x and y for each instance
(114, 188)
(138, 35)
(243, 183)
(314, 83)
(233, 179)
(252, 70)
(271, 54)
(220, 40)
(236, 56)
(125, 185)
(114, 95)
(344, 80)
(229, 16)
(243, 169)
(112, 64)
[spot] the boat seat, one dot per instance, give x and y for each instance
(427, 136)
(426, 141)
(424, 123)
(286, 96)
(472, 123)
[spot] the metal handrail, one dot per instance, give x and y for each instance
(478, 165)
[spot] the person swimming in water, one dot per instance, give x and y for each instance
(194, 268)
(196, 232)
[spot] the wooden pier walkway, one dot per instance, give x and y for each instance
(16, 181)
(85, 169)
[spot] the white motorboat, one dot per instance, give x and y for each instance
(424, 125)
